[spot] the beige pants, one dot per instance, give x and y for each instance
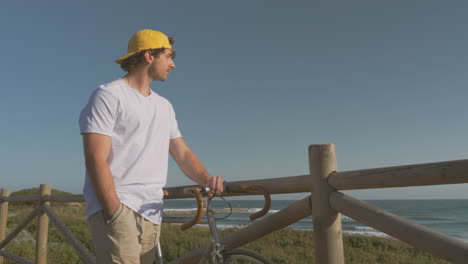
(127, 238)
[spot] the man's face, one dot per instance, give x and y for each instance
(161, 66)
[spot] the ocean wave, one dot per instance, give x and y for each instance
(235, 209)
(227, 226)
(364, 228)
(251, 210)
(179, 209)
(182, 211)
(451, 220)
(427, 218)
(366, 233)
(374, 233)
(239, 210)
(254, 210)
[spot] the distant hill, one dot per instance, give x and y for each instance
(35, 191)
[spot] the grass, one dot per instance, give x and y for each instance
(295, 246)
(283, 246)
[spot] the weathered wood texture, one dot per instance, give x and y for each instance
(21, 198)
(42, 229)
(65, 198)
(292, 184)
(419, 236)
(15, 258)
(79, 198)
(76, 244)
(327, 222)
(3, 217)
(448, 172)
(258, 229)
(326, 212)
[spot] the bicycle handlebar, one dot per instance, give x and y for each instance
(198, 193)
(253, 188)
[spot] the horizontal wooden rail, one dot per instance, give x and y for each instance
(65, 198)
(16, 258)
(448, 172)
(292, 184)
(21, 198)
(258, 229)
(419, 236)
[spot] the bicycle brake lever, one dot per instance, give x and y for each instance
(205, 190)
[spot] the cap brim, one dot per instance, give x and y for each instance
(121, 59)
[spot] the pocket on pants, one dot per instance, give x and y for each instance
(116, 214)
(117, 240)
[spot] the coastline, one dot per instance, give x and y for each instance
(445, 216)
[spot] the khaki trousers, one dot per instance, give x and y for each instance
(127, 238)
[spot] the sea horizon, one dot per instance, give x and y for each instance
(448, 216)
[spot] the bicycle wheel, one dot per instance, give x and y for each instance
(238, 256)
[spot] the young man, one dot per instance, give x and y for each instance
(128, 131)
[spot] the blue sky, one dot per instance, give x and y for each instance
(255, 83)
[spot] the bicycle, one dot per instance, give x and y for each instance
(215, 253)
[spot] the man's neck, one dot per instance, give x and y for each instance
(139, 81)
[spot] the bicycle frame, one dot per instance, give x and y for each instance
(216, 248)
(216, 245)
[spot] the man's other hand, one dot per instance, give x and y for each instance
(216, 185)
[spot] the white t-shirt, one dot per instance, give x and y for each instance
(141, 128)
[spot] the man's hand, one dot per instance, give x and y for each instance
(216, 185)
(112, 210)
(192, 166)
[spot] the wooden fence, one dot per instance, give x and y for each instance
(323, 183)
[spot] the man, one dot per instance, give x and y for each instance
(128, 131)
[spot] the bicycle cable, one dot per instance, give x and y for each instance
(230, 209)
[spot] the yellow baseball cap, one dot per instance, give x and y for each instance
(143, 40)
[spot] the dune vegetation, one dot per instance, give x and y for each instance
(283, 246)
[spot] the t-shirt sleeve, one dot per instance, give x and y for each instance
(100, 114)
(175, 133)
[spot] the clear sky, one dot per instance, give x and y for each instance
(255, 83)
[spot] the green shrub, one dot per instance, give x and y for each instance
(283, 246)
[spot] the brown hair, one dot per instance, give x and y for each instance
(139, 57)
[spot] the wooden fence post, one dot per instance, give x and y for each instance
(42, 229)
(327, 222)
(3, 217)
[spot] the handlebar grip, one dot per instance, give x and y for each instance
(255, 188)
(195, 191)
(267, 205)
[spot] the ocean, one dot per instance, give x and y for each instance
(446, 216)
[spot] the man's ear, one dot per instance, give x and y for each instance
(148, 57)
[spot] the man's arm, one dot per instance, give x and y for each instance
(96, 150)
(192, 166)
